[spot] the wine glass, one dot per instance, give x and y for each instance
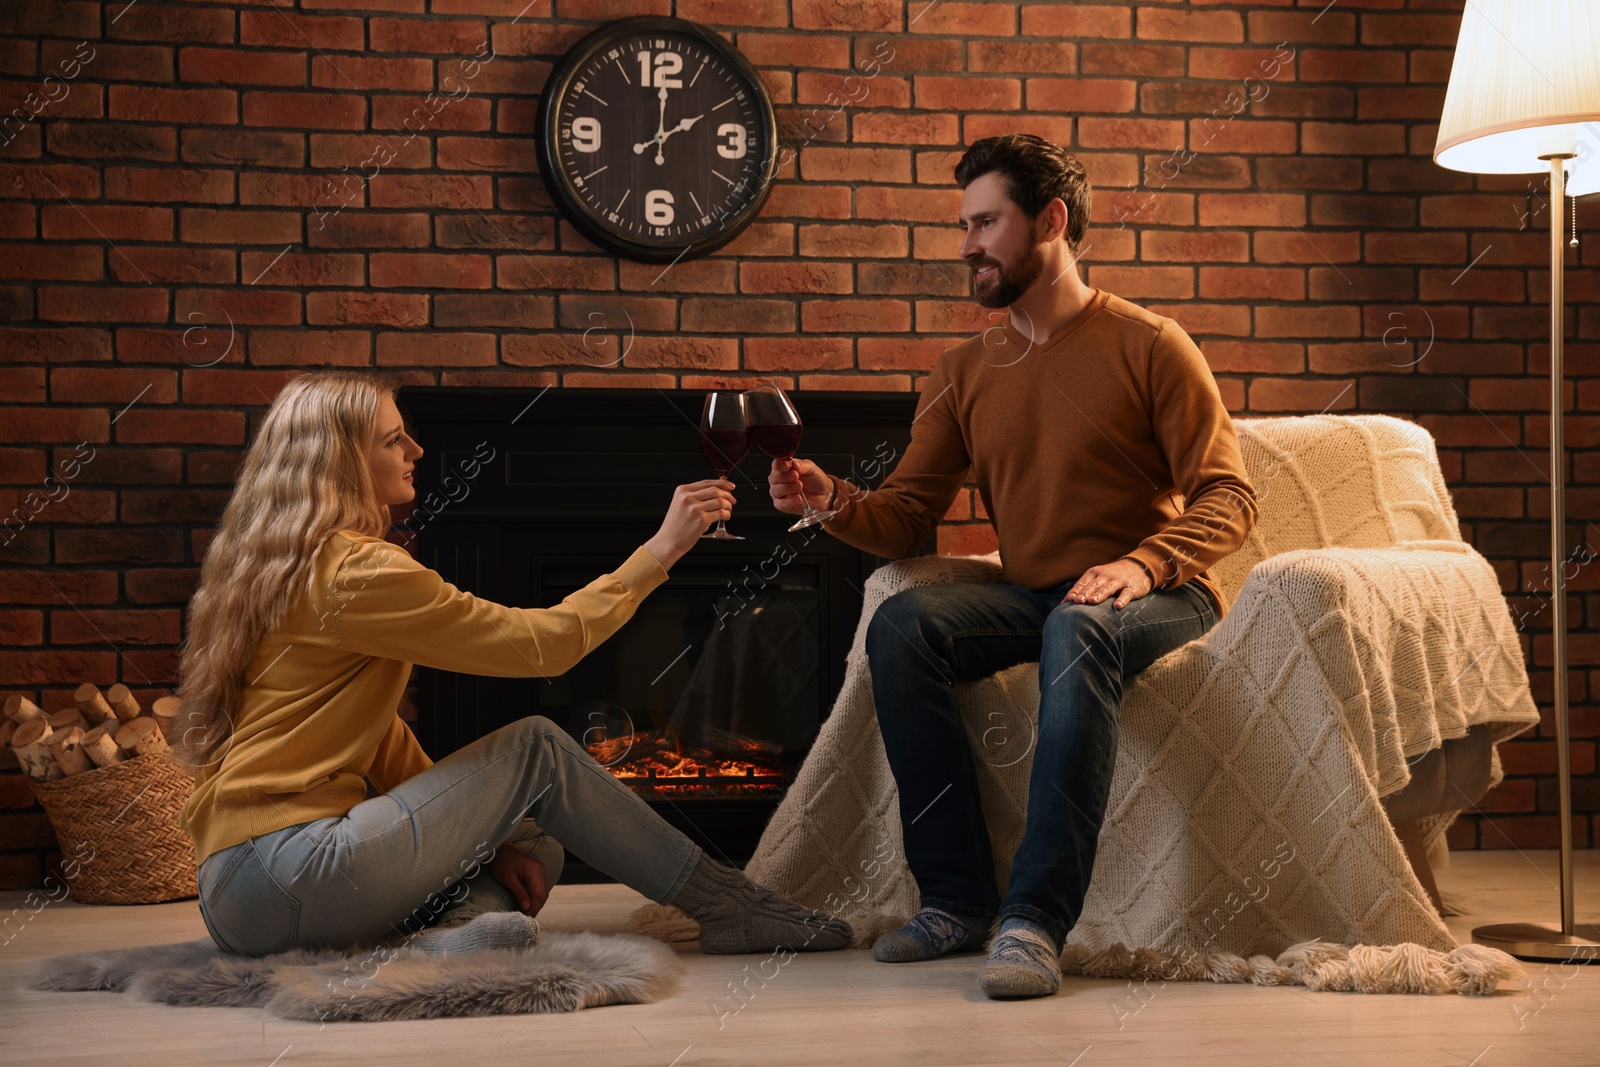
(723, 442)
(775, 428)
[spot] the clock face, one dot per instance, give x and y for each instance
(657, 138)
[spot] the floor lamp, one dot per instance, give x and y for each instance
(1524, 98)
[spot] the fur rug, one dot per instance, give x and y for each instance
(564, 972)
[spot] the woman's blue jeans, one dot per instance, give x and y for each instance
(922, 641)
(398, 861)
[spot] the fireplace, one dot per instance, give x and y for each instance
(707, 701)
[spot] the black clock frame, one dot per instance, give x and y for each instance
(561, 188)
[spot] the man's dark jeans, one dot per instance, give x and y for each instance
(922, 641)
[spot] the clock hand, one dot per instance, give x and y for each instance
(661, 130)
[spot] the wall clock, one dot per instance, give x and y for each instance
(657, 138)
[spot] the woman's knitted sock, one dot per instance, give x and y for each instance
(495, 929)
(736, 915)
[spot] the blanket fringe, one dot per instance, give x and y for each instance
(1470, 970)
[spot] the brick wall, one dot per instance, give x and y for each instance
(192, 217)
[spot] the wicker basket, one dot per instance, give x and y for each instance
(120, 826)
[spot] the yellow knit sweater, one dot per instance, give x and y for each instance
(321, 696)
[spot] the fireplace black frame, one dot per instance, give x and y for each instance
(510, 474)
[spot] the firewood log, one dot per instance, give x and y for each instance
(122, 702)
(141, 737)
(101, 744)
(31, 744)
(66, 719)
(92, 704)
(8, 758)
(67, 747)
(166, 710)
(19, 709)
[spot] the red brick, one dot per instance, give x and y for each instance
(821, 163)
(186, 24)
(120, 141)
(1254, 357)
(96, 627)
(361, 229)
(1077, 20)
(853, 241)
(78, 304)
(22, 466)
(681, 353)
(160, 585)
(230, 66)
(405, 115)
(1299, 173)
(486, 153)
(144, 103)
(112, 62)
(855, 316)
(54, 345)
(344, 348)
(305, 111)
(954, 316)
(1222, 246)
(801, 277)
(73, 587)
(77, 506)
(1303, 28)
(940, 92)
(1160, 134)
(1236, 64)
(49, 182)
(855, 15)
(1252, 209)
(967, 19)
(233, 387)
(22, 385)
(798, 353)
(301, 269)
(1410, 29)
(362, 308)
(432, 36)
(808, 201)
(279, 28)
(900, 353)
(1082, 94)
(87, 385)
(368, 152)
(1056, 128)
(456, 192)
(896, 127)
(1241, 135)
(1353, 138)
(434, 348)
(514, 310)
(1146, 282)
(1301, 395)
(974, 539)
(372, 72)
(541, 271)
(21, 627)
(571, 349)
(105, 222)
(234, 228)
(1364, 210)
(189, 185)
(1312, 322)
(70, 263)
(419, 270)
(17, 220)
(1189, 26)
(152, 426)
(716, 315)
(930, 279)
(1221, 320)
(1263, 283)
(157, 265)
(217, 308)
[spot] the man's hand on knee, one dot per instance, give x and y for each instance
(1125, 579)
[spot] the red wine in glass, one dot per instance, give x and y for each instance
(724, 440)
(775, 428)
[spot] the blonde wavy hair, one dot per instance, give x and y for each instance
(305, 476)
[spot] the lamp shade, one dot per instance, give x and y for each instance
(1525, 82)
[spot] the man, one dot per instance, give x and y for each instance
(1111, 471)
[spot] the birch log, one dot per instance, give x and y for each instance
(101, 744)
(31, 744)
(67, 747)
(122, 702)
(141, 737)
(166, 710)
(92, 704)
(19, 709)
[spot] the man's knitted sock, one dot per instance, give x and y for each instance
(495, 929)
(1023, 962)
(929, 934)
(736, 915)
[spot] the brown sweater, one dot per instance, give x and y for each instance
(1109, 441)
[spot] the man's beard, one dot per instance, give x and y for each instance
(1008, 284)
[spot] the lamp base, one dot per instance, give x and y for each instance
(1530, 941)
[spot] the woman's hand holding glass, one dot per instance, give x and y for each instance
(693, 509)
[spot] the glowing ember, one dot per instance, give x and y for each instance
(719, 764)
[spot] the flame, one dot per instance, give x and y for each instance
(653, 765)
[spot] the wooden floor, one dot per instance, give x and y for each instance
(840, 1008)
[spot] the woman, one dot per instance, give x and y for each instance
(302, 634)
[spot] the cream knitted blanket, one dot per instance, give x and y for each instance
(1244, 815)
